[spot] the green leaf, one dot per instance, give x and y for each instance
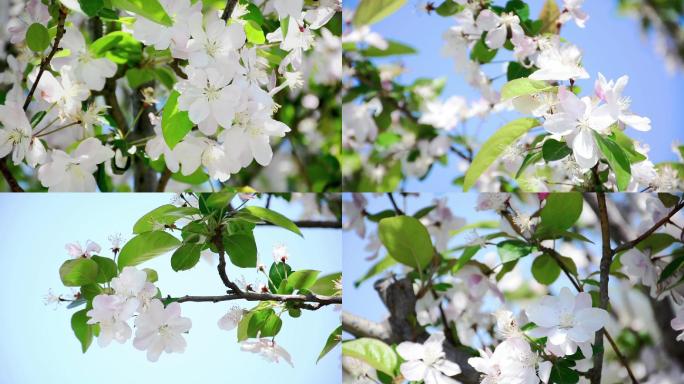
(468, 254)
(255, 34)
(186, 256)
(522, 87)
(106, 269)
(271, 325)
(91, 7)
(481, 52)
(219, 200)
(241, 249)
(175, 124)
(515, 70)
(77, 272)
(152, 275)
(333, 340)
(146, 246)
(393, 48)
(376, 269)
(149, 9)
(553, 150)
(325, 285)
(37, 37)
(617, 159)
(531, 158)
(512, 250)
(162, 216)
(81, 328)
(407, 241)
(672, 267)
(253, 322)
(119, 46)
(371, 11)
(89, 291)
(449, 8)
(494, 147)
(139, 76)
(374, 352)
(545, 269)
(274, 218)
(302, 279)
(561, 211)
(277, 273)
(627, 145)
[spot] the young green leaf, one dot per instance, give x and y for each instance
(512, 250)
(407, 241)
(374, 352)
(274, 218)
(561, 211)
(106, 269)
(81, 328)
(175, 124)
(146, 246)
(77, 272)
(394, 48)
(149, 9)
(302, 279)
(371, 11)
(523, 86)
(545, 269)
(495, 146)
(553, 150)
(159, 217)
(241, 249)
(326, 285)
(334, 339)
(37, 37)
(617, 159)
(186, 256)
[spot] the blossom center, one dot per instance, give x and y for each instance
(211, 93)
(566, 321)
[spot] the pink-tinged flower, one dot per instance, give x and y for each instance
(568, 321)
(497, 27)
(75, 250)
(618, 105)
(639, 267)
(268, 349)
(112, 312)
(280, 253)
(513, 361)
(572, 11)
(678, 324)
(490, 201)
(427, 362)
(231, 319)
(159, 330)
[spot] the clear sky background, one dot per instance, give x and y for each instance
(612, 44)
(38, 345)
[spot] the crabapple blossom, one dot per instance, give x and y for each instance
(280, 253)
(559, 61)
(358, 123)
(268, 349)
(160, 330)
(176, 36)
(112, 312)
(288, 8)
(91, 70)
(74, 172)
(492, 201)
(231, 319)
(639, 267)
(497, 27)
(35, 12)
(74, 249)
(195, 151)
(215, 43)
(67, 93)
(678, 324)
(513, 361)
(157, 146)
(15, 134)
(427, 362)
(572, 10)
(364, 34)
(444, 115)
(579, 119)
(568, 321)
(618, 106)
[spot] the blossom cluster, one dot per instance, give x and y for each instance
(226, 86)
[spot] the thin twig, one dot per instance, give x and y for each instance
(218, 242)
(254, 296)
(394, 204)
(46, 61)
(11, 181)
(230, 6)
(313, 224)
(163, 180)
(649, 232)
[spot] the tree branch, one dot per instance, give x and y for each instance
(312, 224)
(46, 61)
(360, 327)
(230, 6)
(218, 242)
(7, 174)
(163, 180)
(649, 232)
(604, 273)
(321, 301)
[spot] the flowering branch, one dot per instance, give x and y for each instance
(46, 61)
(655, 227)
(321, 301)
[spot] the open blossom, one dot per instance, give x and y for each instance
(363, 34)
(176, 36)
(15, 133)
(160, 330)
(572, 11)
(215, 44)
(74, 172)
(559, 61)
(231, 319)
(67, 92)
(579, 119)
(157, 146)
(568, 321)
(497, 27)
(358, 125)
(194, 152)
(444, 115)
(427, 362)
(91, 70)
(288, 8)
(513, 361)
(493, 201)
(678, 324)
(75, 250)
(354, 214)
(210, 99)
(112, 312)
(639, 267)
(268, 349)
(280, 253)
(618, 105)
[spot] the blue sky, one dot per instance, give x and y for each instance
(38, 345)
(612, 44)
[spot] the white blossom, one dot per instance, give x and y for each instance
(427, 362)
(160, 330)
